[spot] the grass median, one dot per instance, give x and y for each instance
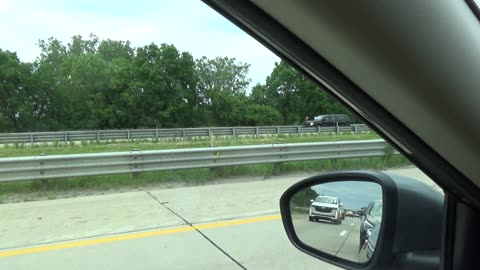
(81, 186)
(83, 147)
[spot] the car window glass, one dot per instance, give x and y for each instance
(149, 135)
(326, 200)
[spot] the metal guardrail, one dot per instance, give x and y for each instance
(63, 166)
(135, 134)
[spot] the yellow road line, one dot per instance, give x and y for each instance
(236, 222)
(103, 240)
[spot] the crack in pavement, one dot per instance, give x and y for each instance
(196, 229)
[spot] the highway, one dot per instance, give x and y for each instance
(340, 240)
(225, 226)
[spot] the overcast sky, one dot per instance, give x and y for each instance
(188, 24)
(353, 194)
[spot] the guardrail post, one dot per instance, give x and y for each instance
(234, 133)
(278, 130)
(156, 133)
(278, 167)
(337, 128)
(318, 129)
(183, 134)
(128, 134)
(66, 137)
(43, 182)
(98, 136)
(298, 130)
(31, 138)
(256, 131)
(217, 171)
(355, 129)
(209, 132)
(135, 158)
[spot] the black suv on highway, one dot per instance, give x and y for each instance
(329, 120)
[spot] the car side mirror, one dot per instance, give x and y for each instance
(311, 201)
(403, 228)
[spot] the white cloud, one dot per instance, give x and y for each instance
(188, 24)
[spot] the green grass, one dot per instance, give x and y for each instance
(16, 150)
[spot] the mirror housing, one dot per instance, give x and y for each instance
(410, 231)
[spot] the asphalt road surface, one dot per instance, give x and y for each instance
(229, 226)
(341, 240)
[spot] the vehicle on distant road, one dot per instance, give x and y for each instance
(349, 213)
(326, 208)
(331, 120)
(308, 123)
(362, 211)
(328, 120)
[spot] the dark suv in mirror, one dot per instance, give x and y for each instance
(370, 220)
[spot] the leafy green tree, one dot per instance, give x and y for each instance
(303, 197)
(102, 84)
(259, 115)
(16, 106)
(46, 79)
(86, 78)
(221, 87)
(166, 79)
(282, 88)
(72, 77)
(79, 46)
(111, 50)
(86, 84)
(294, 95)
(114, 103)
(260, 95)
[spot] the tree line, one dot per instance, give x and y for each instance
(108, 84)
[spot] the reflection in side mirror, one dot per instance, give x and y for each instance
(322, 217)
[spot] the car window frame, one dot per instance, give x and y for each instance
(458, 189)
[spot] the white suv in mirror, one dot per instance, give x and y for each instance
(326, 208)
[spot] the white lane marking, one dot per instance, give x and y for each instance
(343, 233)
(351, 224)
